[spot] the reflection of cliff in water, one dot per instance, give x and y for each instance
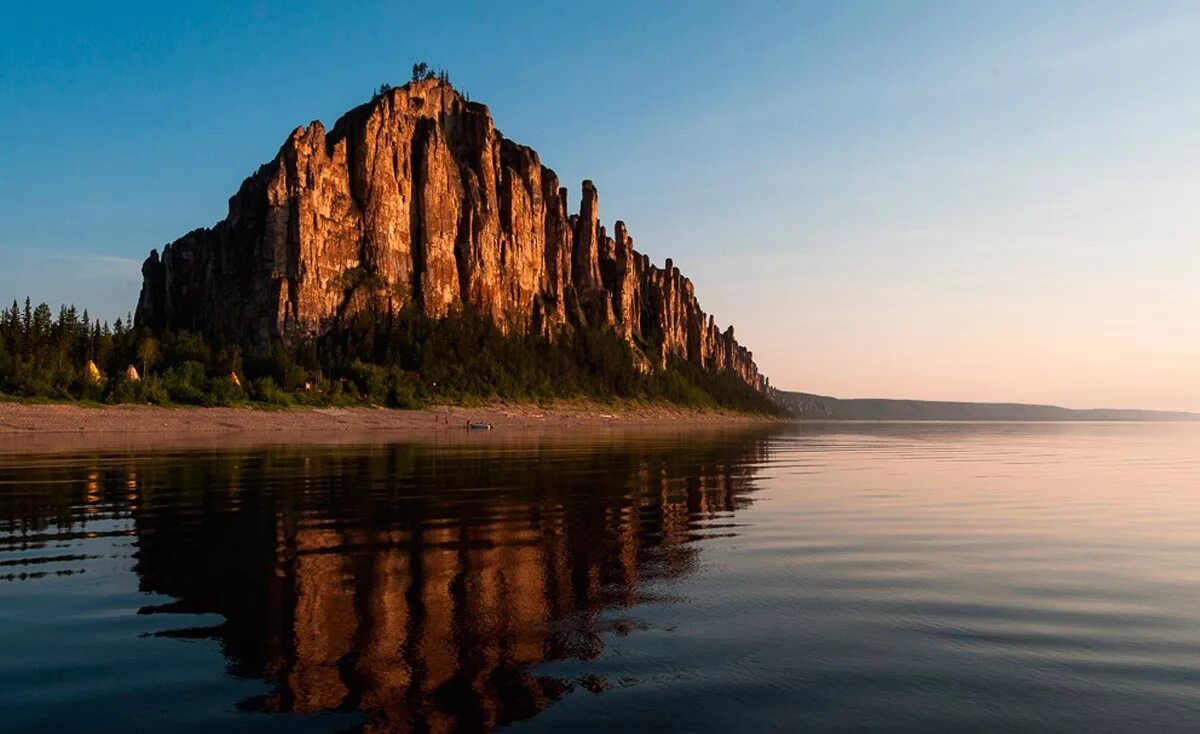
(423, 586)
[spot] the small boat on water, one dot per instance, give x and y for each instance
(479, 426)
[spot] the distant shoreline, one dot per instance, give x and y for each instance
(808, 406)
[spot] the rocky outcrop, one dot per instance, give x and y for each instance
(415, 198)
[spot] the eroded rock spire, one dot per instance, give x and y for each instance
(415, 198)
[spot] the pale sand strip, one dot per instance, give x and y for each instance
(60, 427)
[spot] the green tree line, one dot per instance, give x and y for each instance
(403, 360)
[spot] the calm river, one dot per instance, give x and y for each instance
(837, 577)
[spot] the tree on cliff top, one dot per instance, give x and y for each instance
(422, 71)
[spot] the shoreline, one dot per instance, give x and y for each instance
(49, 426)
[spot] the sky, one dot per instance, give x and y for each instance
(937, 200)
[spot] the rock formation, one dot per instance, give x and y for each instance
(415, 198)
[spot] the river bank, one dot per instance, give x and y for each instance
(27, 424)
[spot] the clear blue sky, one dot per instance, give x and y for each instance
(994, 201)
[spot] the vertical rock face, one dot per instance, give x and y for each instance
(416, 199)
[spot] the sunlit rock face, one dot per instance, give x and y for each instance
(415, 198)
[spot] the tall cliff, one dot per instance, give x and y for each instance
(415, 198)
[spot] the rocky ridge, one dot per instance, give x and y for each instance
(415, 198)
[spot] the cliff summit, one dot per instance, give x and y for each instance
(415, 199)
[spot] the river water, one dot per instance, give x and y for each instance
(836, 577)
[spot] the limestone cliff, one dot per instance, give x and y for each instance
(415, 198)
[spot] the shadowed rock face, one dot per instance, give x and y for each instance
(416, 198)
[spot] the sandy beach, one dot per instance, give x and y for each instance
(26, 426)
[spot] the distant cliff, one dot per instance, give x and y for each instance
(415, 199)
(822, 407)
